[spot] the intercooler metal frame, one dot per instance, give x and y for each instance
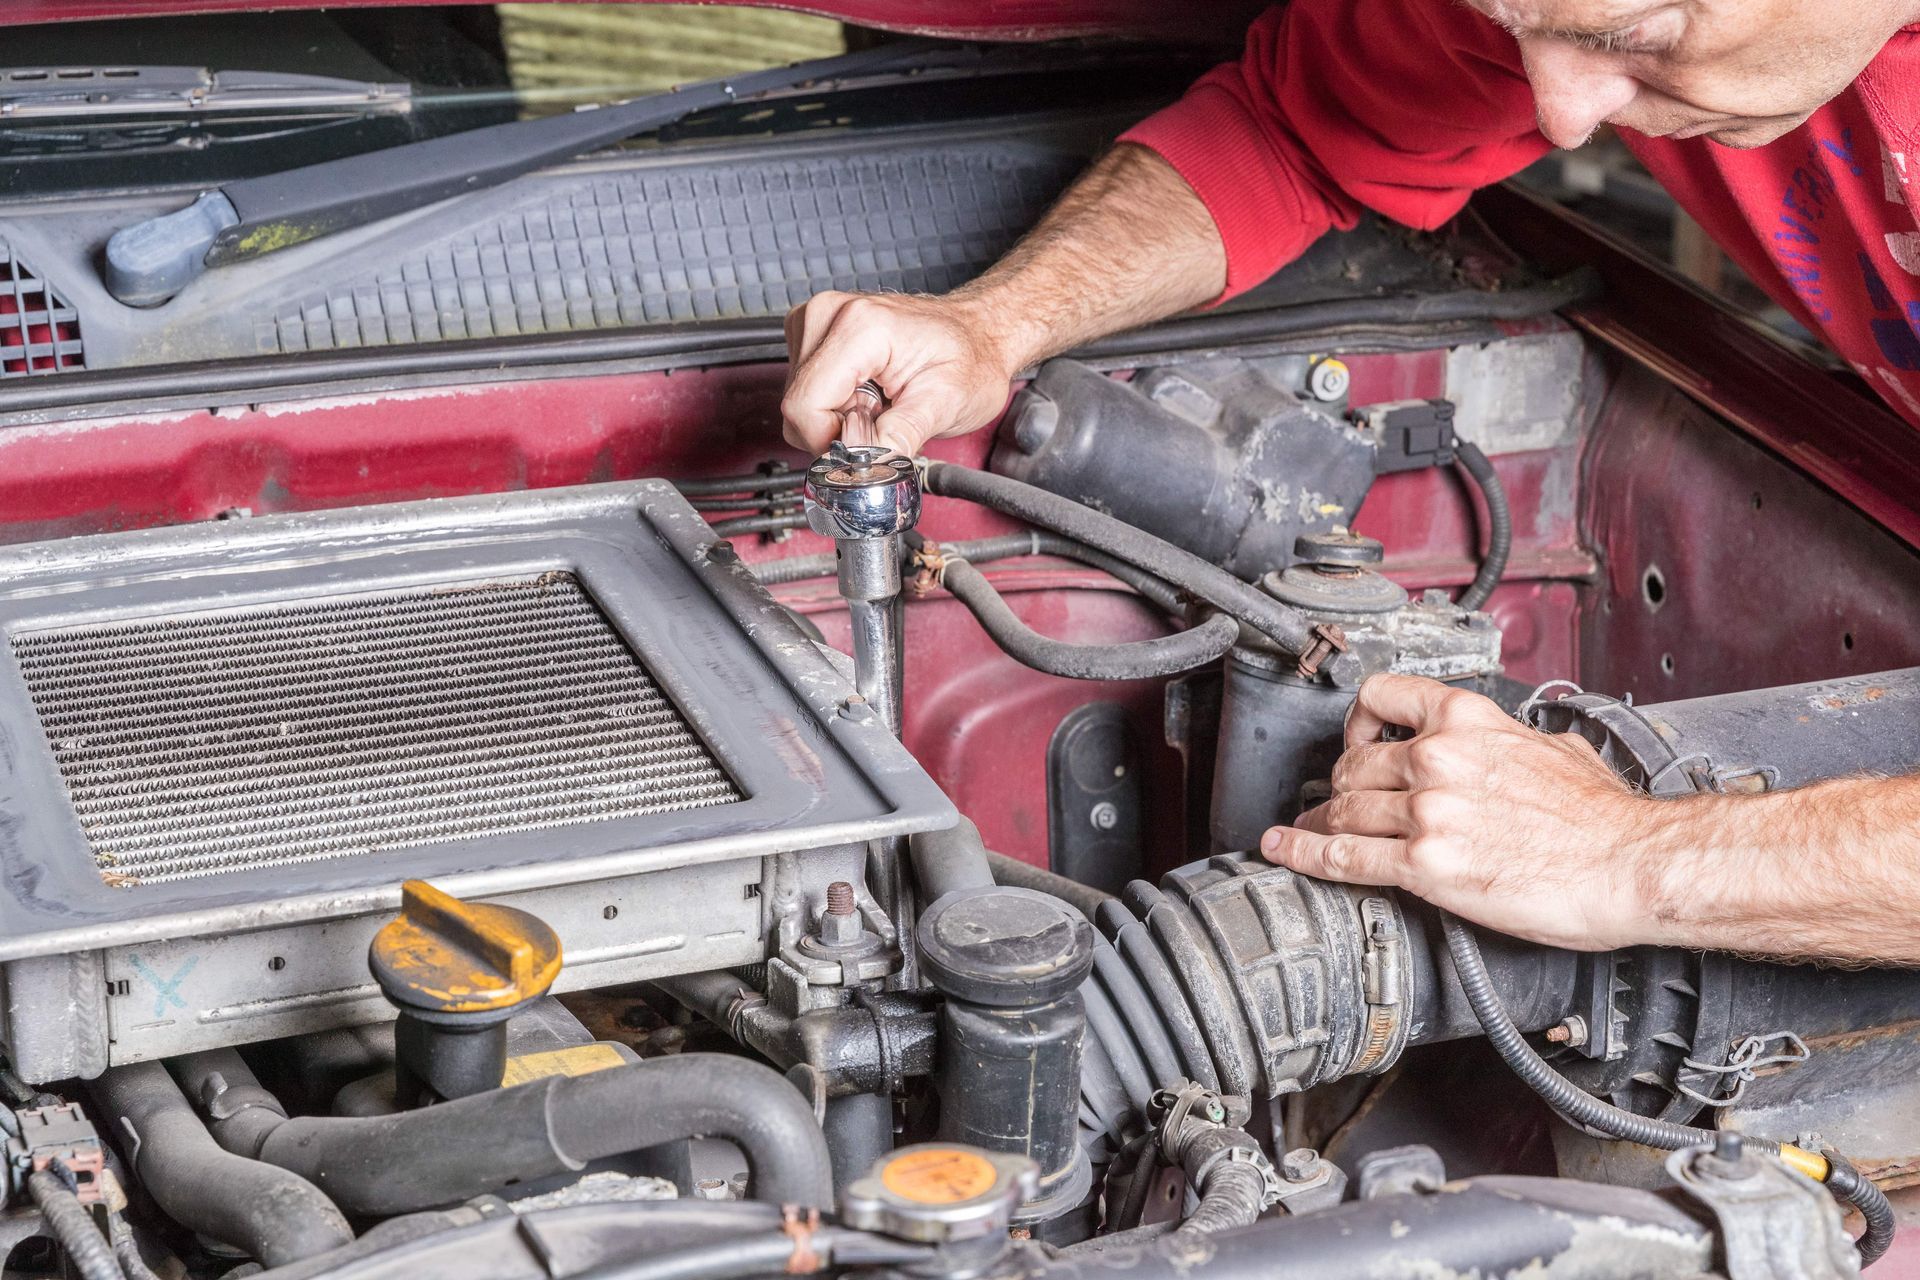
(748, 682)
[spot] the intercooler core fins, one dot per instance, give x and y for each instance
(222, 741)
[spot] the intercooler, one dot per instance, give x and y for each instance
(222, 748)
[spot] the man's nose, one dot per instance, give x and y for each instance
(1575, 90)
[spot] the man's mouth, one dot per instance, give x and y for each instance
(1698, 127)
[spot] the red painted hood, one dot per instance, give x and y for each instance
(981, 19)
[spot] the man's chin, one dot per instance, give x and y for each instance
(1745, 135)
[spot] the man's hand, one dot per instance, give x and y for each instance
(1525, 832)
(1127, 244)
(938, 360)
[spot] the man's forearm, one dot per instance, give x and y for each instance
(1828, 871)
(1127, 244)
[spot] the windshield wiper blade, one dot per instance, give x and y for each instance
(71, 93)
(151, 261)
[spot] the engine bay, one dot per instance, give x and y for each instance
(503, 815)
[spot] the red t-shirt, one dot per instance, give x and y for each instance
(1406, 106)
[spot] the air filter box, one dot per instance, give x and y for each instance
(223, 748)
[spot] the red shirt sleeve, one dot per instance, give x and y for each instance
(1404, 107)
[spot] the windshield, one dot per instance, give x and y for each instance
(193, 101)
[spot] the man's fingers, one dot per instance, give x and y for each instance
(1374, 766)
(1349, 859)
(808, 323)
(902, 428)
(818, 387)
(1360, 813)
(1409, 701)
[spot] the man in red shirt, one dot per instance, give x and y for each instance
(1784, 127)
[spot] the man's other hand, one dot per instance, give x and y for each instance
(1524, 832)
(938, 361)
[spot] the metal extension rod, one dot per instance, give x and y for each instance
(864, 497)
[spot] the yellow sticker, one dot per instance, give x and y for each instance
(580, 1060)
(940, 1176)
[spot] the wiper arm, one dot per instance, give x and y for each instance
(151, 261)
(71, 93)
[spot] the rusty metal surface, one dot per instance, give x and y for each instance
(1725, 568)
(1845, 439)
(1858, 1091)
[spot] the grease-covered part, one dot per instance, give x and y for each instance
(442, 955)
(1010, 962)
(1280, 731)
(1494, 1228)
(457, 971)
(1220, 457)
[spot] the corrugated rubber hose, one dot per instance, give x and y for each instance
(1493, 566)
(72, 1225)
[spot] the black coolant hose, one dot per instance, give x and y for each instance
(1288, 628)
(1578, 1105)
(385, 1165)
(1493, 566)
(741, 525)
(275, 1216)
(1136, 660)
(72, 1225)
(756, 483)
(1001, 546)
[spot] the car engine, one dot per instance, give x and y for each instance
(331, 839)
(475, 806)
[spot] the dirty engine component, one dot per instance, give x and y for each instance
(235, 741)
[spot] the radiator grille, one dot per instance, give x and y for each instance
(219, 742)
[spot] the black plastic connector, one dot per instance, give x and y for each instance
(1410, 435)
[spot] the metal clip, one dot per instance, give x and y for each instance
(1742, 1064)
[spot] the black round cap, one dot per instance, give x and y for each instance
(1338, 547)
(1004, 947)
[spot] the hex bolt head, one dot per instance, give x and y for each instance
(1105, 816)
(857, 709)
(722, 553)
(1300, 1164)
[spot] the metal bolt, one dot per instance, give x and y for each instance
(1328, 379)
(722, 553)
(1300, 1164)
(1105, 816)
(840, 924)
(1571, 1031)
(857, 709)
(1729, 1146)
(712, 1189)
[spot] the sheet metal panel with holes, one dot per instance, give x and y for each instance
(226, 745)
